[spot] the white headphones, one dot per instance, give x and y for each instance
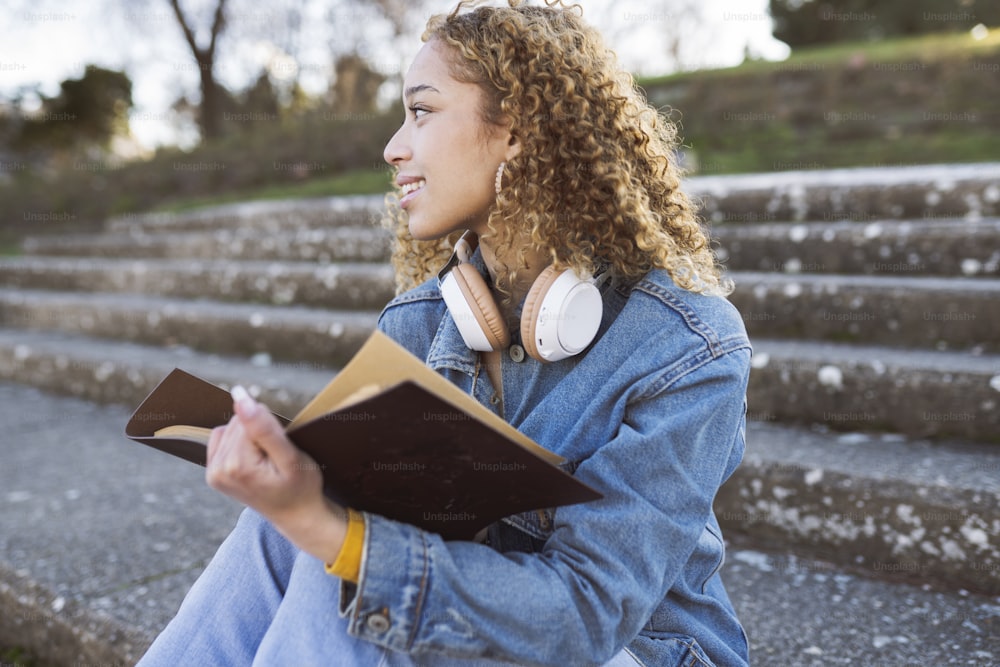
(562, 312)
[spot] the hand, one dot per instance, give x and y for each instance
(251, 460)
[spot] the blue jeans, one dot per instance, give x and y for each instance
(263, 602)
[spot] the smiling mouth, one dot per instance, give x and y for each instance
(412, 187)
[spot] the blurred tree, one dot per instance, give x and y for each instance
(280, 26)
(261, 98)
(810, 22)
(356, 87)
(209, 117)
(86, 113)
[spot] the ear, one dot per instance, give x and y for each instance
(513, 147)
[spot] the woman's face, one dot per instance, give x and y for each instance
(446, 155)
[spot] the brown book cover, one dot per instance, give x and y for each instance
(391, 437)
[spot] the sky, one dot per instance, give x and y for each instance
(43, 42)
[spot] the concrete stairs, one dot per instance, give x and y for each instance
(876, 386)
(872, 298)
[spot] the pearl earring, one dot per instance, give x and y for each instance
(496, 184)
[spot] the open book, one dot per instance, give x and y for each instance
(392, 437)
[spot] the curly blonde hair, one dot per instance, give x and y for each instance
(595, 184)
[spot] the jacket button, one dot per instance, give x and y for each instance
(378, 623)
(516, 353)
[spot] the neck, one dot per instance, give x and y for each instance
(525, 276)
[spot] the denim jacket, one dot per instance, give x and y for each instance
(652, 414)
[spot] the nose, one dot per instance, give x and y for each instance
(398, 149)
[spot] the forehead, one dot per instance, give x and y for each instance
(430, 67)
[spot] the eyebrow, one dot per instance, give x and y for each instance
(412, 90)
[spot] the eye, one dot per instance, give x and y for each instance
(418, 111)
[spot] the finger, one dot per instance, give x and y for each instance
(234, 457)
(228, 439)
(264, 429)
(213, 444)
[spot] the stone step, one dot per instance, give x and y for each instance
(846, 387)
(918, 312)
(100, 538)
(968, 191)
(942, 313)
(121, 372)
(264, 217)
(811, 613)
(333, 244)
(283, 333)
(883, 247)
(348, 286)
(907, 508)
(910, 311)
(887, 247)
(875, 388)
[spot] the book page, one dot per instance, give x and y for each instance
(199, 433)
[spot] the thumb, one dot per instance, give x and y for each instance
(263, 428)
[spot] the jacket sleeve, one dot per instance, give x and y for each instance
(607, 564)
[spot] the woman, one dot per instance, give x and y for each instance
(521, 130)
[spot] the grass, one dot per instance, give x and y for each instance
(923, 48)
(894, 88)
(357, 181)
(15, 657)
(968, 146)
(10, 245)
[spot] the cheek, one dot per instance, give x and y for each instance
(468, 174)
(460, 168)
(473, 185)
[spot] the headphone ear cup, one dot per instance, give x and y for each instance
(484, 308)
(532, 307)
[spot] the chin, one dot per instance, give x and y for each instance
(422, 233)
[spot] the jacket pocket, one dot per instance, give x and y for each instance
(527, 531)
(667, 648)
(537, 524)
